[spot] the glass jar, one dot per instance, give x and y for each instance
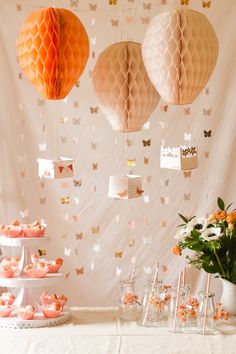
(128, 304)
(207, 313)
(153, 305)
(179, 324)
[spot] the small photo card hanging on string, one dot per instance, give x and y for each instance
(179, 158)
(61, 167)
(125, 187)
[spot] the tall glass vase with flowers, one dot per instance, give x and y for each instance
(212, 241)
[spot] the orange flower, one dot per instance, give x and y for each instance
(177, 250)
(231, 218)
(220, 215)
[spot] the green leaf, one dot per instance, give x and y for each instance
(209, 268)
(221, 204)
(228, 207)
(183, 218)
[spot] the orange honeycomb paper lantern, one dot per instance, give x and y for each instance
(123, 90)
(180, 51)
(53, 49)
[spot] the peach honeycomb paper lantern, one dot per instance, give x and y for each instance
(180, 51)
(124, 92)
(53, 49)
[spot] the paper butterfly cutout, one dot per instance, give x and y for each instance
(18, 7)
(207, 112)
(163, 2)
(187, 111)
(130, 19)
(41, 102)
(96, 248)
(64, 185)
(63, 120)
(77, 182)
(67, 251)
(206, 4)
(187, 136)
(147, 6)
(187, 174)
(22, 173)
(184, 2)
(163, 223)
(131, 224)
(42, 200)
(207, 134)
(187, 196)
(94, 166)
(42, 147)
(76, 218)
(112, 2)
(131, 243)
(24, 213)
(79, 271)
(123, 193)
(164, 268)
(129, 142)
(93, 109)
(74, 3)
(146, 126)
(92, 7)
(118, 271)
(146, 142)
(76, 200)
(67, 275)
(147, 270)
(207, 153)
(146, 160)
(131, 162)
(76, 121)
(65, 200)
(95, 230)
(145, 20)
(164, 108)
(76, 104)
(93, 146)
(79, 236)
(207, 91)
(164, 200)
(42, 184)
(63, 139)
(42, 252)
(64, 236)
(139, 191)
(118, 254)
(114, 23)
(146, 198)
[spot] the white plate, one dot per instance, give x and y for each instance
(24, 282)
(24, 241)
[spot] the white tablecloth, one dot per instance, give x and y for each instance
(99, 331)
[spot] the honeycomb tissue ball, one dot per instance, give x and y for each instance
(53, 49)
(123, 90)
(180, 51)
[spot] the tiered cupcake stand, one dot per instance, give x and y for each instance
(26, 285)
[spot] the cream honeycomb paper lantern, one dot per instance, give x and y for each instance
(122, 87)
(180, 51)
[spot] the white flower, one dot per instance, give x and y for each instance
(182, 234)
(199, 224)
(212, 233)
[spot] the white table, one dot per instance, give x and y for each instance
(99, 331)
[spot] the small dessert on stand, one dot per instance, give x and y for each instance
(26, 273)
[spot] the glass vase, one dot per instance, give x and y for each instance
(128, 303)
(206, 315)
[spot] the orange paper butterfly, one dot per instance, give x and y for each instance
(123, 193)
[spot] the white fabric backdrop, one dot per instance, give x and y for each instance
(30, 125)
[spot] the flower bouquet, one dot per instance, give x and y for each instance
(212, 242)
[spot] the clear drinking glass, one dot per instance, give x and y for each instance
(128, 304)
(206, 315)
(179, 323)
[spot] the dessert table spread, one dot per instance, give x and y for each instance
(99, 331)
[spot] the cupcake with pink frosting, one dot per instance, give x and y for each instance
(26, 312)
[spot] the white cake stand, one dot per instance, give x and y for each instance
(26, 285)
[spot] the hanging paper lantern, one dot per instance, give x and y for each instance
(180, 51)
(124, 92)
(53, 49)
